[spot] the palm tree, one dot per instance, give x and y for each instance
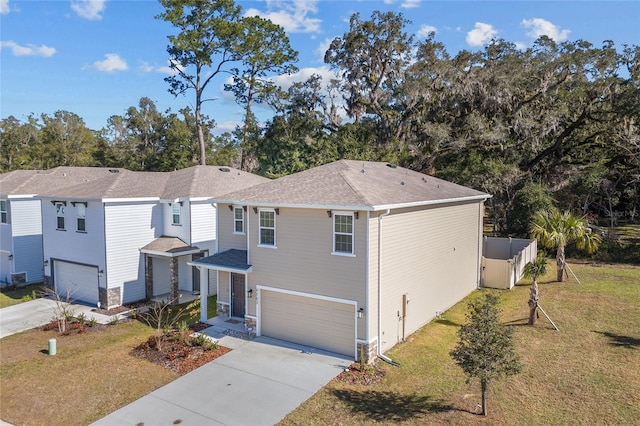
(533, 270)
(556, 229)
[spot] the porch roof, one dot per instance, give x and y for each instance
(169, 247)
(232, 260)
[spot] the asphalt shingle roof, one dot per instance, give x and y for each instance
(110, 183)
(233, 259)
(355, 184)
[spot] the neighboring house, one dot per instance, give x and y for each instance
(21, 256)
(345, 257)
(111, 236)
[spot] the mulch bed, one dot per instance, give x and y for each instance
(179, 352)
(355, 376)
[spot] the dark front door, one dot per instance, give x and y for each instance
(237, 295)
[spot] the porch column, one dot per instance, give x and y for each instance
(173, 280)
(148, 276)
(204, 294)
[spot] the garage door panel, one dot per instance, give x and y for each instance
(80, 282)
(310, 321)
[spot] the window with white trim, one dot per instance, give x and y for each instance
(175, 211)
(4, 213)
(60, 207)
(238, 220)
(267, 228)
(81, 217)
(343, 233)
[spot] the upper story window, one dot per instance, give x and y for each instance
(267, 228)
(60, 208)
(175, 210)
(81, 217)
(4, 213)
(238, 220)
(343, 233)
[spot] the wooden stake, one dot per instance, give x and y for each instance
(545, 314)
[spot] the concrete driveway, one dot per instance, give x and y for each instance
(38, 312)
(258, 383)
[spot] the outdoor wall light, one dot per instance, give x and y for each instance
(46, 263)
(250, 293)
(100, 273)
(10, 256)
(360, 312)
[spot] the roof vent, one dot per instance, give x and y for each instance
(424, 179)
(402, 183)
(114, 171)
(224, 169)
(393, 166)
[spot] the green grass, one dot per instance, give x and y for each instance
(587, 373)
(20, 295)
(212, 302)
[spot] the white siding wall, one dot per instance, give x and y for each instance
(182, 231)
(203, 226)
(303, 261)
(432, 255)
(26, 226)
(72, 246)
(129, 227)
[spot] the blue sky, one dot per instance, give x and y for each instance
(96, 58)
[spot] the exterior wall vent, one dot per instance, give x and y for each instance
(224, 169)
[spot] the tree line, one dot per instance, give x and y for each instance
(555, 124)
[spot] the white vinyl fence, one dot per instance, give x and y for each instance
(504, 259)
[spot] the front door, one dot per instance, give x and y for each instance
(237, 295)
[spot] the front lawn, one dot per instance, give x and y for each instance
(587, 373)
(92, 374)
(19, 295)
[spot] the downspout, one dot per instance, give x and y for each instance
(480, 245)
(380, 354)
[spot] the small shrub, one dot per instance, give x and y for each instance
(113, 320)
(92, 322)
(82, 318)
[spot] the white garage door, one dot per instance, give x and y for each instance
(309, 321)
(80, 281)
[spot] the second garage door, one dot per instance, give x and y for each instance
(310, 321)
(80, 281)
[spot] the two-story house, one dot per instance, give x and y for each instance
(128, 236)
(21, 256)
(347, 256)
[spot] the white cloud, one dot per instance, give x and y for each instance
(322, 48)
(28, 50)
(112, 63)
(424, 31)
(89, 9)
(520, 45)
(293, 16)
(146, 67)
(410, 4)
(539, 27)
(4, 7)
(481, 34)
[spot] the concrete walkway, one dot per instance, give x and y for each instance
(258, 383)
(38, 312)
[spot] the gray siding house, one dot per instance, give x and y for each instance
(345, 257)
